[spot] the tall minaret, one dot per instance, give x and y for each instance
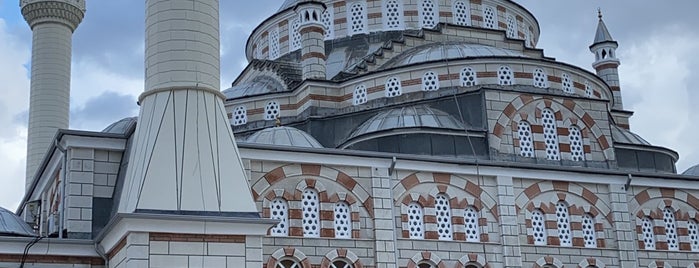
(53, 23)
(184, 158)
(313, 39)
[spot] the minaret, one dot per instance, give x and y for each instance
(184, 158)
(312, 38)
(53, 23)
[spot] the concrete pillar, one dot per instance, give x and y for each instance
(52, 23)
(623, 226)
(312, 39)
(384, 230)
(509, 227)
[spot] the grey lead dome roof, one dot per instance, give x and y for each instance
(12, 225)
(259, 85)
(121, 126)
(287, 136)
(692, 171)
(621, 135)
(448, 50)
(408, 117)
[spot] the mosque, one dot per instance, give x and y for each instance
(362, 133)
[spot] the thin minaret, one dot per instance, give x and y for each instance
(53, 23)
(184, 157)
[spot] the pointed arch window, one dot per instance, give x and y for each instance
(393, 87)
(295, 34)
(462, 13)
(468, 77)
(430, 81)
(393, 15)
(343, 223)
(693, 232)
(670, 229)
(563, 220)
(567, 83)
(357, 18)
(538, 227)
(527, 37)
(577, 152)
(279, 210)
(471, 224)
(588, 229)
(271, 110)
(360, 95)
(416, 228)
(648, 234)
(505, 76)
(511, 26)
(541, 79)
(490, 17)
(526, 145)
(328, 18)
(428, 14)
(274, 43)
(310, 207)
(240, 116)
(443, 210)
(548, 119)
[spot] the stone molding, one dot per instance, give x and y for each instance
(65, 13)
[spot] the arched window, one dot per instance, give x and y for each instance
(577, 152)
(670, 229)
(468, 77)
(279, 210)
(648, 234)
(273, 43)
(588, 229)
(462, 13)
(567, 83)
(341, 264)
(360, 95)
(310, 207)
(357, 18)
(563, 220)
(443, 210)
(527, 37)
(540, 78)
(526, 145)
(416, 228)
(393, 14)
(505, 76)
(240, 116)
(288, 263)
(693, 232)
(343, 223)
(328, 18)
(548, 120)
(271, 110)
(295, 35)
(430, 81)
(428, 14)
(393, 87)
(511, 26)
(426, 264)
(588, 90)
(538, 227)
(490, 17)
(471, 224)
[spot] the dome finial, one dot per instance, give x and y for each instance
(599, 13)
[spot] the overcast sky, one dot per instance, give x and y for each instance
(658, 45)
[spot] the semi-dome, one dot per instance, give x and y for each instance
(286, 136)
(121, 126)
(621, 135)
(12, 225)
(420, 116)
(448, 50)
(692, 171)
(259, 85)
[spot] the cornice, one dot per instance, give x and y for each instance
(69, 14)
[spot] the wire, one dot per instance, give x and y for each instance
(26, 250)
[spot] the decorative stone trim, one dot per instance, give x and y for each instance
(426, 256)
(51, 260)
(659, 264)
(548, 260)
(472, 258)
(291, 253)
(53, 11)
(341, 253)
(591, 262)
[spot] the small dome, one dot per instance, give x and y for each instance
(451, 50)
(692, 171)
(621, 135)
(420, 116)
(259, 85)
(12, 225)
(121, 126)
(287, 136)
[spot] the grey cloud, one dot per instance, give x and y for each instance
(100, 111)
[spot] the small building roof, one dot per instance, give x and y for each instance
(420, 116)
(286, 136)
(602, 34)
(13, 225)
(692, 171)
(448, 50)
